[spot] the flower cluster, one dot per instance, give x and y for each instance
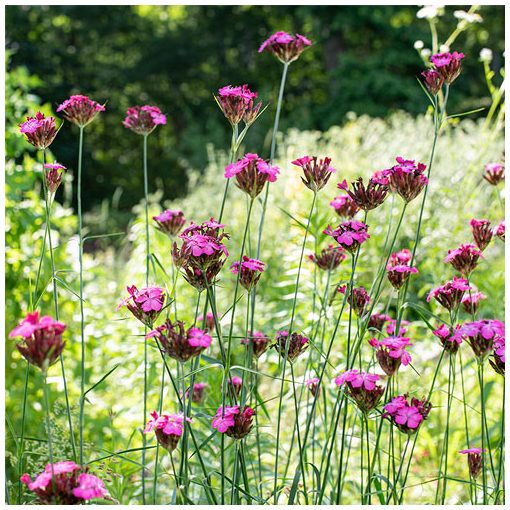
(450, 294)
(464, 258)
(143, 120)
(53, 176)
(291, 347)
(471, 300)
(170, 222)
(80, 110)
(362, 388)
(482, 232)
(407, 416)
(65, 483)
(145, 304)
(42, 341)
(316, 172)
(367, 197)
(481, 335)
(285, 47)
(344, 206)
(251, 271)
(350, 234)
(252, 173)
(450, 338)
(392, 326)
(494, 173)
(475, 462)
(398, 268)
(329, 258)
(406, 178)
(358, 299)
(237, 104)
(233, 422)
(40, 131)
(168, 429)
(391, 353)
(448, 65)
(256, 341)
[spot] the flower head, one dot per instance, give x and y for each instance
(475, 462)
(358, 299)
(344, 206)
(482, 233)
(349, 235)
(316, 172)
(170, 222)
(481, 335)
(285, 47)
(53, 175)
(494, 173)
(80, 110)
(398, 268)
(433, 80)
(406, 178)
(464, 258)
(313, 385)
(450, 338)
(471, 300)
(498, 363)
(256, 341)
(367, 197)
(40, 131)
(448, 65)
(145, 304)
(391, 353)
(233, 422)
(235, 383)
(329, 258)
(499, 231)
(41, 343)
(168, 429)
(392, 326)
(291, 346)
(449, 294)
(209, 323)
(143, 120)
(362, 388)
(251, 271)
(377, 321)
(237, 104)
(407, 415)
(197, 395)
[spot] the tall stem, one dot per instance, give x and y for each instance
(48, 422)
(482, 409)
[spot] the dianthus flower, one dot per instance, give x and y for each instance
(391, 353)
(294, 346)
(406, 178)
(471, 300)
(285, 47)
(53, 176)
(482, 233)
(179, 343)
(168, 429)
(407, 416)
(349, 235)
(42, 341)
(209, 323)
(464, 258)
(329, 258)
(499, 231)
(494, 173)
(237, 104)
(448, 65)
(362, 388)
(313, 385)
(257, 341)
(65, 483)
(80, 110)
(433, 81)
(499, 355)
(316, 172)
(232, 422)
(450, 294)
(450, 338)
(251, 173)
(398, 268)
(170, 222)
(358, 299)
(392, 324)
(145, 304)
(198, 392)
(481, 335)
(377, 321)
(236, 385)
(475, 462)
(143, 120)
(251, 271)
(344, 206)
(40, 131)
(367, 197)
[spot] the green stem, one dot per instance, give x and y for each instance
(21, 453)
(484, 445)
(232, 156)
(48, 423)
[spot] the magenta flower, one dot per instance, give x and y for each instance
(251, 173)
(168, 429)
(407, 416)
(209, 323)
(317, 172)
(377, 321)
(367, 197)
(170, 222)
(450, 338)
(42, 341)
(433, 81)
(256, 341)
(481, 335)
(475, 462)
(392, 325)
(53, 176)
(236, 384)
(482, 233)
(344, 206)
(391, 353)
(329, 258)
(398, 268)
(232, 422)
(450, 294)
(358, 298)
(499, 231)
(494, 173)
(290, 347)
(251, 271)
(313, 385)
(178, 343)
(406, 178)
(40, 131)
(80, 110)
(499, 355)
(197, 395)
(448, 65)
(143, 120)
(471, 300)
(237, 104)
(65, 483)
(145, 304)
(362, 388)
(285, 47)
(349, 235)
(464, 258)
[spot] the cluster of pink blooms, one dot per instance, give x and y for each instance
(53, 176)
(290, 346)
(482, 334)
(498, 363)
(256, 341)
(42, 341)
(251, 271)
(40, 130)
(168, 429)
(344, 206)
(329, 258)
(362, 388)
(170, 222)
(406, 178)
(450, 294)
(392, 325)
(65, 483)
(358, 299)
(80, 110)
(482, 233)
(464, 258)
(145, 304)
(143, 120)
(251, 173)
(450, 338)
(407, 415)
(233, 422)
(398, 268)
(285, 47)
(475, 462)
(471, 301)
(237, 104)
(350, 234)
(316, 172)
(208, 322)
(391, 353)
(494, 173)
(446, 68)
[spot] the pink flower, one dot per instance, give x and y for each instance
(209, 323)
(224, 419)
(464, 258)
(377, 321)
(450, 338)
(236, 384)
(475, 461)
(358, 299)
(285, 47)
(80, 110)
(362, 387)
(198, 338)
(89, 487)
(471, 300)
(433, 80)
(290, 347)
(498, 364)
(313, 385)
(251, 271)
(494, 173)
(145, 304)
(367, 197)
(143, 120)
(344, 206)
(329, 258)
(197, 394)
(316, 172)
(257, 341)
(481, 335)
(232, 422)
(237, 104)
(407, 416)
(168, 429)
(40, 131)
(392, 324)
(499, 231)
(170, 222)
(391, 353)
(398, 269)
(448, 65)
(349, 234)
(450, 294)
(406, 178)
(482, 233)
(53, 175)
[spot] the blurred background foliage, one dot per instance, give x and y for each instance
(178, 56)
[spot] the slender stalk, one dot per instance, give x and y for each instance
(484, 445)
(21, 453)
(232, 156)
(155, 482)
(48, 422)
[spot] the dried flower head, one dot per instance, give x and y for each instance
(316, 172)
(367, 197)
(143, 120)
(391, 353)
(329, 258)
(168, 429)
(40, 131)
(285, 47)
(251, 271)
(344, 206)
(448, 65)
(170, 222)
(80, 110)
(464, 258)
(145, 304)
(494, 173)
(291, 347)
(362, 388)
(350, 234)
(256, 341)
(232, 422)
